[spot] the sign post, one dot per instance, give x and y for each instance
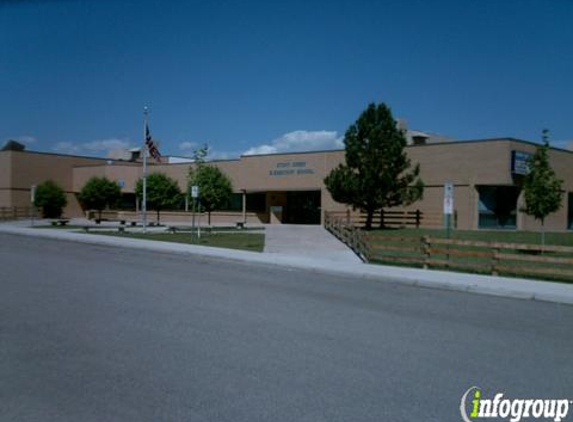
(32, 200)
(144, 171)
(448, 205)
(194, 196)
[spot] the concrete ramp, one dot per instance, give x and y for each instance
(308, 242)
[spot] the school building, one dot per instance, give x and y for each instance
(288, 188)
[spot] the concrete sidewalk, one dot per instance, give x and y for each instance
(305, 241)
(472, 283)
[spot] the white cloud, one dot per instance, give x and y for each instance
(187, 146)
(212, 154)
(300, 140)
(106, 145)
(66, 147)
(221, 155)
(92, 147)
(562, 143)
(26, 140)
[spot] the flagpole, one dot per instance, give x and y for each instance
(144, 151)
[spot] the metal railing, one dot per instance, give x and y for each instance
(349, 234)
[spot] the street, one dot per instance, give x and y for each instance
(92, 333)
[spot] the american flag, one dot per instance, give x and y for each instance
(152, 148)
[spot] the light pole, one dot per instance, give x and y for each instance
(144, 152)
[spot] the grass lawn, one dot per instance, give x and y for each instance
(522, 263)
(254, 242)
(511, 236)
(223, 228)
(57, 227)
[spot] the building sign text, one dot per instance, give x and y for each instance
(289, 168)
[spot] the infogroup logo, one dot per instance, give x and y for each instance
(474, 407)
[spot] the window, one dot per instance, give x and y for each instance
(257, 202)
(497, 207)
(570, 211)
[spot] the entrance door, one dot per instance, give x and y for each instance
(302, 207)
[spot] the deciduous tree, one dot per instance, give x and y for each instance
(51, 198)
(215, 188)
(542, 189)
(99, 193)
(162, 192)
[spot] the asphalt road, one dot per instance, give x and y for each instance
(108, 334)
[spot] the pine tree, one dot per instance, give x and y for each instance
(377, 170)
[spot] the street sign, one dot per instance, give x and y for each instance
(33, 194)
(194, 191)
(448, 198)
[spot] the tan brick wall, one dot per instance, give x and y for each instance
(217, 217)
(5, 178)
(128, 173)
(31, 168)
(468, 165)
(5, 169)
(5, 198)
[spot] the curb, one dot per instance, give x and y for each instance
(513, 288)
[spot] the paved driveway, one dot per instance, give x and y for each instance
(306, 241)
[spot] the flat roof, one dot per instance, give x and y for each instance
(116, 161)
(58, 154)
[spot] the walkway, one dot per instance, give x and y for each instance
(306, 241)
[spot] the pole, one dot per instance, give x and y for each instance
(199, 218)
(144, 152)
(193, 221)
(32, 200)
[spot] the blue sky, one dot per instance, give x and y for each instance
(269, 76)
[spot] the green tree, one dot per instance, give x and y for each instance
(51, 198)
(215, 188)
(200, 154)
(162, 192)
(542, 189)
(99, 193)
(376, 173)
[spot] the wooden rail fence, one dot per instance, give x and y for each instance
(524, 259)
(391, 219)
(14, 213)
(476, 256)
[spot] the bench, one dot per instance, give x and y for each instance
(188, 229)
(175, 229)
(86, 229)
(61, 222)
(122, 222)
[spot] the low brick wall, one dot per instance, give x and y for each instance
(217, 217)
